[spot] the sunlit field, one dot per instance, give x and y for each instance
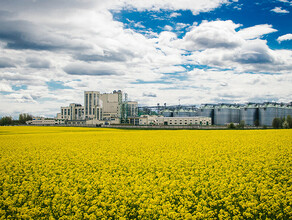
(94, 173)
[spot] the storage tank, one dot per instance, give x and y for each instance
(288, 111)
(167, 113)
(192, 113)
(222, 115)
(249, 113)
(206, 110)
(225, 114)
(234, 114)
(181, 113)
(267, 113)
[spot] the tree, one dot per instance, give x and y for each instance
(277, 123)
(257, 123)
(23, 118)
(285, 124)
(231, 126)
(7, 120)
(241, 124)
(289, 121)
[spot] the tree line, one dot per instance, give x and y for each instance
(282, 122)
(277, 123)
(22, 119)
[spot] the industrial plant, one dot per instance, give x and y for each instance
(115, 109)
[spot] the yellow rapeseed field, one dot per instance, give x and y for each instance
(94, 173)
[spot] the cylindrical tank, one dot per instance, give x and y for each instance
(183, 113)
(249, 114)
(267, 113)
(167, 113)
(221, 115)
(192, 113)
(234, 114)
(206, 111)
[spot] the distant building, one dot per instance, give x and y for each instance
(198, 120)
(73, 112)
(42, 121)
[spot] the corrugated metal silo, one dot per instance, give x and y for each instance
(249, 114)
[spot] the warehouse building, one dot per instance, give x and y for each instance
(198, 120)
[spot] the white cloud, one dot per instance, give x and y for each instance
(174, 15)
(280, 10)
(195, 6)
(214, 34)
(5, 87)
(168, 28)
(284, 38)
(103, 54)
(256, 31)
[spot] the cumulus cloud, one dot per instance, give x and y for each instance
(6, 62)
(195, 6)
(5, 87)
(256, 31)
(90, 69)
(284, 38)
(149, 94)
(174, 15)
(214, 34)
(35, 62)
(280, 10)
(226, 48)
(88, 50)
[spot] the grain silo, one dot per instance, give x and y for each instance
(249, 113)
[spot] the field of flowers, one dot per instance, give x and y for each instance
(94, 173)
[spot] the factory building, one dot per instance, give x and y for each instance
(73, 112)
(91, 101)
(100, 108)
(199, 120)
(161, 120)
(114, 108)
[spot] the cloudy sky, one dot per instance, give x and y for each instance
(158, 51)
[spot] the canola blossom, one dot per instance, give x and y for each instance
(95, 173)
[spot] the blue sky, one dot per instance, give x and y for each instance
(162, 51)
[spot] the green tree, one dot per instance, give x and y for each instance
(241, 124)
(231, 126)
(23, 118)
(289, 121)
(277, 123)
(7, 120)
(285, 124)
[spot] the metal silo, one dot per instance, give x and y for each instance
(183, 113)
(167, 113)
(267, 113)
(192, 113)
(249, 113)
(206, 110)
(221, 115)
(234, 113)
